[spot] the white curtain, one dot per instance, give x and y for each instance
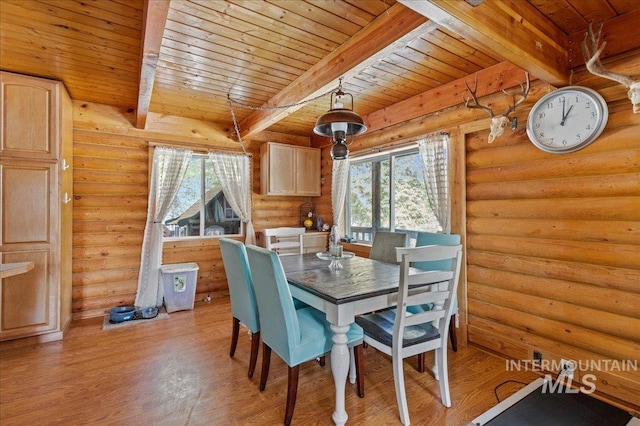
(167, 170)
(435, 164)
(234, 174)
(339, 183)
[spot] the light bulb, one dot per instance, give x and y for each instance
(339, 127)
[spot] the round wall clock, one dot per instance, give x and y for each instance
(567, 119)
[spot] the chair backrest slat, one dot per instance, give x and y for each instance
(423, 317)
(426, 296)
(429, 277)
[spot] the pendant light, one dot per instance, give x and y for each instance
(339, 124)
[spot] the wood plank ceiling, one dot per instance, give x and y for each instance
(185, 57)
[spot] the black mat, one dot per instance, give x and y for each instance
(560, 409)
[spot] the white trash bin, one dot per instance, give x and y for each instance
(179, 283)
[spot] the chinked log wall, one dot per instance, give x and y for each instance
(553, 251)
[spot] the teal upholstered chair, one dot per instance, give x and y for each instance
(432, 238)
(244, 308)
(296, 336)
(384, 245)
(400, 333)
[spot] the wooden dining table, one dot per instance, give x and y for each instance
(362, 285)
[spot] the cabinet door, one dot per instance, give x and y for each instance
(29, 120)
(29, 300)
(29, 232)
(279, 161)
(308, 171)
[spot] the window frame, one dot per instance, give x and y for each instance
(391, 155)
(202, 210)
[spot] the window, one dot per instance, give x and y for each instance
(200, 195)
(387, 192)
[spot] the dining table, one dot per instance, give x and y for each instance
(359, 286)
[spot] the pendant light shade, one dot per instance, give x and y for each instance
(340, 123)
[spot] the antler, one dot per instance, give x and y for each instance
(476, 104)
(592, 61)
(592, 57)
(524, 93)
(498, 123)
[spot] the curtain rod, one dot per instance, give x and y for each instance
(198, 147)
(396, 146)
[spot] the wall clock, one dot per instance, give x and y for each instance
(567, 119)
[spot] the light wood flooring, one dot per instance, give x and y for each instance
(177, 371)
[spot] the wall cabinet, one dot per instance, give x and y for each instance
(36, 169)
(289, 170)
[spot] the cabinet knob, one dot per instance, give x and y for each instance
(66, 199)
(65, 166)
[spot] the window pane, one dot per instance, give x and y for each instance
(411, 206)
(384, 191)
(376, 205)
(221, 219)
(361, 214)
(183, 218)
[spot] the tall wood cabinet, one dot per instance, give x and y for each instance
(289, 170)
(36, 183)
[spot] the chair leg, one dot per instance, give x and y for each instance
(234, 336)
(266, 361)
(401, 396)
(421, 363)
(353, 373)
(255, 344)
(441, 363)
(359, 360)
(292, 393)
(452, 333)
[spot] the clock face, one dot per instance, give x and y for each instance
(567, 119)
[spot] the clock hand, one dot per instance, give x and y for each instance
(564, 116)
(562, 121)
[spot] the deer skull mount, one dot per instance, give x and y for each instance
(592, 53)
(498, 123)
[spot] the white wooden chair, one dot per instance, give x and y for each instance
(400, 333)
(284, 240)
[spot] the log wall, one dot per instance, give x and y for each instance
(553, 251)
(110, 205)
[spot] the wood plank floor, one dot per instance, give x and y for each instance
(177, 371)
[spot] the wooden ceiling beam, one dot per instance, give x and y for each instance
(491, 80)
(513, 30)
(155, 18)
(390, 31)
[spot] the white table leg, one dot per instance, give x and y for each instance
(340, 370)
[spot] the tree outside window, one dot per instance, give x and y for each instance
(387, 192)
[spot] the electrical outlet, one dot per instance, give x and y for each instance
(567, 368)
(537, 357)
